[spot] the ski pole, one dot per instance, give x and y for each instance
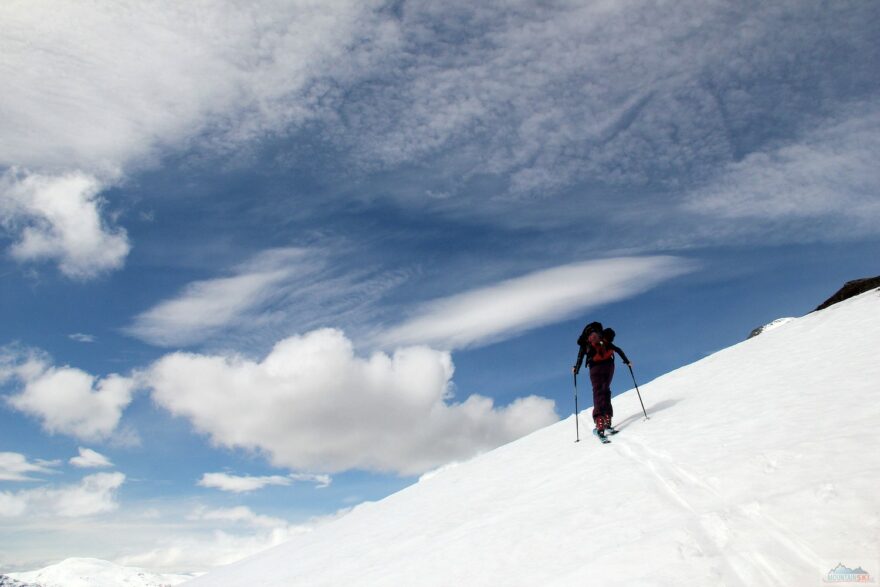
(637, 390)
(577, 428)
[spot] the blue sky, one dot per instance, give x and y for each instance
(273, 261)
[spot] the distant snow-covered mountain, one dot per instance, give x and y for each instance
(7, 581)
(758, 465)
(89, 572)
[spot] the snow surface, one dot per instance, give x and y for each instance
(90, 572)
(759, 464)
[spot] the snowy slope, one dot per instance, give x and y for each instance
(88, 572)
(760, 465)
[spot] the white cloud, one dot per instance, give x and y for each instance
(537, 97)
(84, 105)
(244, 533)
(66, 400)
(190, 552)
(278, 290)
(58, 218)
(90, 459)
(513, 306)
(320, 481)
(131, 78)
(313, 404)
(204, 307)
(16, 467)
(241, 484)
(95, 494)
(80, 337)
(246, 483)
(616, 93)
(828, 180)
(238, 515)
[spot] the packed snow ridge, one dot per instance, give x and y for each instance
(770, 326)
(758, 466)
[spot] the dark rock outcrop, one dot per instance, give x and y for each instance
(851, 289)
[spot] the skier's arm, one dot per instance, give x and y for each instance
(620, 352)
(580, 360)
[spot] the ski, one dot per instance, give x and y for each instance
(611, 431)
(601, 437)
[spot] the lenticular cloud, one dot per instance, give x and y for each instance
(312, 404)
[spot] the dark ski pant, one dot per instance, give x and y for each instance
(601, 375)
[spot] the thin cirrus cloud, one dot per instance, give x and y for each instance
(206, 307)
(826, 183)
(274, 292)
(16, 467)
(502, 310)
(247, 483)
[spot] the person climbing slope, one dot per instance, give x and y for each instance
(596, 345)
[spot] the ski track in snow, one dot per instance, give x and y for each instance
(716, 522)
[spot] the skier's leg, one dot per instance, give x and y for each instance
(599, 377)
(598, 407)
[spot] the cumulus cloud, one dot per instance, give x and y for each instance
(66, 400)
(313, 404)
(90, 459)
(58, 218)
(513, 306)
(95, 494)
(16, 467)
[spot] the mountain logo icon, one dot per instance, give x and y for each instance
(842, 574)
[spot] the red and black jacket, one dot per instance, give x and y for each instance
(600, 351)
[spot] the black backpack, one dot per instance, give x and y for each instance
(608, 334)
(589, 329)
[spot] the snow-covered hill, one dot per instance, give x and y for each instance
(89, 572)
(7, 581)
(760, 465)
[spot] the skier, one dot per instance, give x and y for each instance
(597, 346)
